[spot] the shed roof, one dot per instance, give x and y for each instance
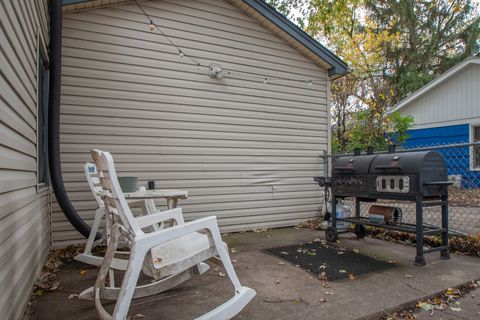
(271, 19)
(436, 82)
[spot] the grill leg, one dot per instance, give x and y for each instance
(419, 258)
(333, 214)
(445, 254)
(357, 208)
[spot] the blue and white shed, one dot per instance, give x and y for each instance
(447, 111)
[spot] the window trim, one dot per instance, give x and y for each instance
(472, 127)
(41, 45)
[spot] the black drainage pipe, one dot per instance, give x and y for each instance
(54, 164)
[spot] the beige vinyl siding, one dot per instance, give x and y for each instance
(455, 101)
(246, 151)
(24, 213)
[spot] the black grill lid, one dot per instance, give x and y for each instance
(409, 163)
(352, 165)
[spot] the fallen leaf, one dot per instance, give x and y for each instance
(322, 276)
(38, 293)
(234, 261)
(356, 250)
(351, 277)
(283, 252)
(342, 271)
(233, 250)
(82, 272)
(455, 309)
(425, 306)
(72, 296)
(323, 300)
(281, 263)
(221, 274)
(450, 291)
(408, 276)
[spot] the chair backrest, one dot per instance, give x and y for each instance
(94, 182)
(113, 197)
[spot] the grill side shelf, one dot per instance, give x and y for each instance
(438, 183)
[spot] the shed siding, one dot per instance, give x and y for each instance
(246, 151)
(24, 214)
(455, 101)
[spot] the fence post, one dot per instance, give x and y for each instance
(325, 163)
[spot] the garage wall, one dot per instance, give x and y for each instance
(246, 151)
(24, 212)
(453, 102)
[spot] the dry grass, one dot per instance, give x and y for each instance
(464, 197)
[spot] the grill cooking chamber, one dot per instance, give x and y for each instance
(400, 176)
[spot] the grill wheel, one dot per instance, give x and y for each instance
(360, 231)
(331, 234)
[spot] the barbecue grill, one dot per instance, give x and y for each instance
(420, 177)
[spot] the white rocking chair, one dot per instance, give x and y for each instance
(164, 254)
(147, 207)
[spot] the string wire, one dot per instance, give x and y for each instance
(265, 79)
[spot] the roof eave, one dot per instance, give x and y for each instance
(338, 67)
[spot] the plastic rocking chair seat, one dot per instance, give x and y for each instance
(180, 254)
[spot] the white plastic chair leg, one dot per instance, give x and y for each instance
(87, 256)
(129, 283)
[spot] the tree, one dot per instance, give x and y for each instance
(435, 36)
(394, 47)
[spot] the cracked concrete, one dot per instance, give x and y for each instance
(284, 291)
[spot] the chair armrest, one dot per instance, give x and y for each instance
(160, 216)
(160, 236)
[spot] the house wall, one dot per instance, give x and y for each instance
(455, 101)
(24, 213)
(246, 151)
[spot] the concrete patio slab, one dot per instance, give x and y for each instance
(284, 291)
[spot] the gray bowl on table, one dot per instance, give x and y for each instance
(128, 184)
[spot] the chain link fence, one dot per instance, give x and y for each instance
(463, 164)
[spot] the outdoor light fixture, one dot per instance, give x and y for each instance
(216, 71)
